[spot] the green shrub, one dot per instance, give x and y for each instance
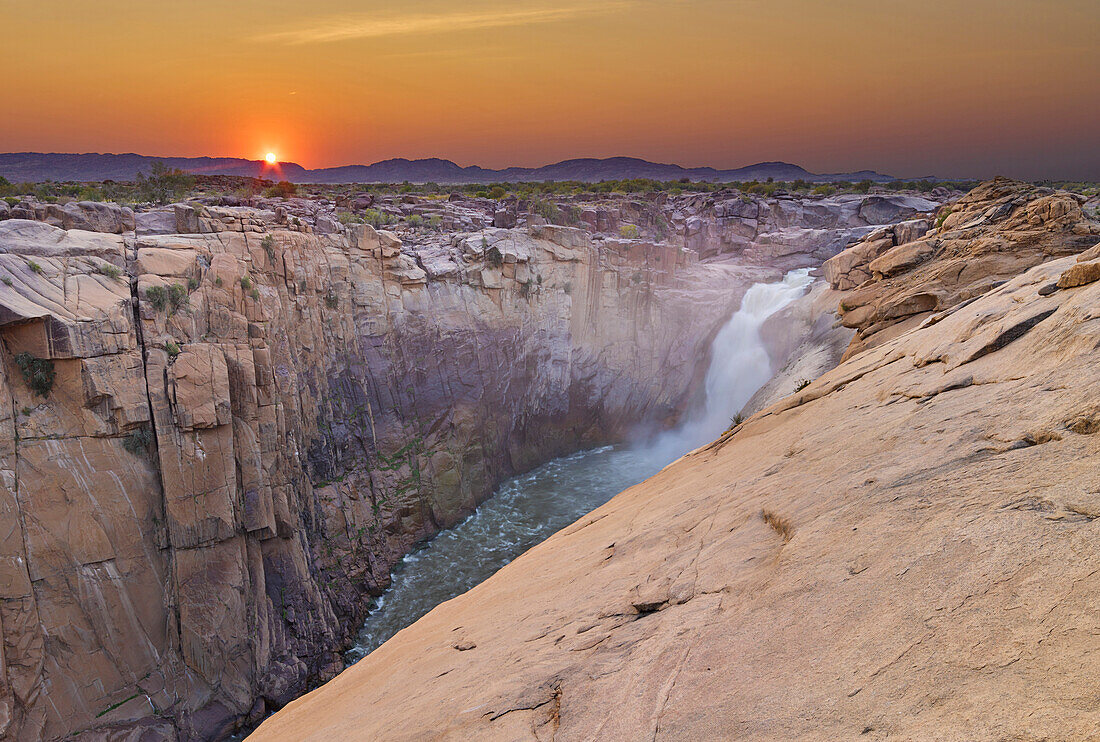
(497, 192)
(629, 231)
(192, 283)
(268, 244)
(7, 280)
(173, 348)
(282, 189)
(494, 257)
(332, 300)
(863, 186)
(177, 297)
(824, 190)
(138, 441)
(37, 372)
(110, 270)
(415, 221)
(942, 217)
(35, 267)
(254, 294)
(163, 184)
(435, 221)
(246, 283)
(157, 297)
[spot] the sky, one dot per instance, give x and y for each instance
(947, 88)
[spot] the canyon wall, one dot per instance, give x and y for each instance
(904, 548)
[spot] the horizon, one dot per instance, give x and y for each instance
(958, 92)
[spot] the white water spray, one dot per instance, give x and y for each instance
(739, 365)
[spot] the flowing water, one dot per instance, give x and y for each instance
(529, 508)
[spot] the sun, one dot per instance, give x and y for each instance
(270, 157)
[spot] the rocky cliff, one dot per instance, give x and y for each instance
(224, 424)
(905, 548)
(221, 426)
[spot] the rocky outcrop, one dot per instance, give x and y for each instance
(995, 232)
(905, 548)
(215, 444)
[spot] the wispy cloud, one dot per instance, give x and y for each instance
(359, 26)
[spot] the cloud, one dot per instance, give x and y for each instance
(360, 26)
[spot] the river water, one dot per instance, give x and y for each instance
(529, 508)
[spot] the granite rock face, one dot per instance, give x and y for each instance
(216, 441)
(905, 548)
(997, 231)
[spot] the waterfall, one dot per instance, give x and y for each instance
(528, 508)
(739, 365)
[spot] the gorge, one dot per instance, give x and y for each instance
(253, 411)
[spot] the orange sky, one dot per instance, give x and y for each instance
(953, 88)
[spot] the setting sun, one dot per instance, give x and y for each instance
(270, 157)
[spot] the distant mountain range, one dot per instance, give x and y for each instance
(39, 166)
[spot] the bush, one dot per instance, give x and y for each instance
(110, 270)
(331, 300)
(246, 283)
(435, 221)
(496, 192)
(824, 190)
(943, 217)
(801, 384)
(863, 186)
(268, 244)
(415, 221)
(629, 231)
(282, 189)
(163, 184)
(494, 257)
(37, 372)
(35, 267)
(173, 348)
(138, 441)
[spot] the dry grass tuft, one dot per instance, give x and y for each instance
(779, 524)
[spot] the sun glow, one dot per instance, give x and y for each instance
(270, 157)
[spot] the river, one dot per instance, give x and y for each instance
(527, 509)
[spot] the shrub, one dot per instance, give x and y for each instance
(943, 217)
(7, 280)
(863, 186)
(177, 297)
(801, 384)
(35, 267)
(282, 189)
(268, 244)
(494, 257)
(110, 270)
(254, 294)
(824, 190)
(332, 300)
(629, 231)
(192, 283)
(435, 221)
(173, 348)
(163, 184)
(138, 441)
(497, 192)
(158, 297)
(37, 372)
(246, 282)
(415, 221)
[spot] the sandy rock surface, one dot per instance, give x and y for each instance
(907, 549)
